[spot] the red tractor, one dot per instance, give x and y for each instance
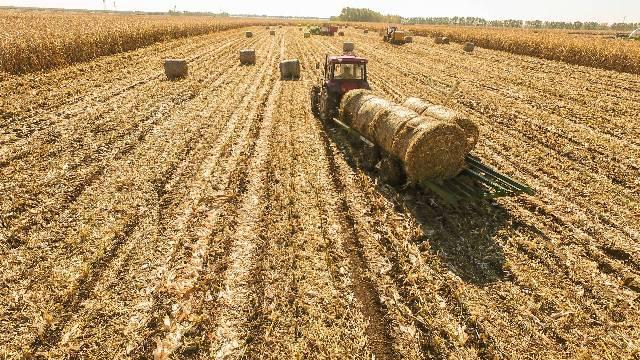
(341, 74)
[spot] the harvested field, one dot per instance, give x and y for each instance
(560, 45)
(214, 216)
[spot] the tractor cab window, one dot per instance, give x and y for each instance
(348, 71)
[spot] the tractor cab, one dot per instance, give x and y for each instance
(341, 74)
(344, 73)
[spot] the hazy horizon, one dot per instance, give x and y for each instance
(546, 10)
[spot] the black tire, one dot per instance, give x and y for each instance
(327, 105)
(315, 95)
(392, 172)
(369, 157)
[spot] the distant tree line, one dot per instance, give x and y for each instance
(367, 15)
(511, 23)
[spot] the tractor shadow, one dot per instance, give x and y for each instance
(463, 237)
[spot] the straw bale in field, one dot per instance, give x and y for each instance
(436, 151)
(290, 69)
(176, 68)
(366, 31)
(340, 33)
(446, 114)
(386, 125)
(469, 47)
(248, 34)
(408, 39)
(348, 46)
(247, 56)
(272, 32)
(307, 34)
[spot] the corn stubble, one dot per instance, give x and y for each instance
(214, 217)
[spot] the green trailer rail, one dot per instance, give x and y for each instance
(476, 182)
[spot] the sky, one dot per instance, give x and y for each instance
(561, 10)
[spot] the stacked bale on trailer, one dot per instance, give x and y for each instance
(290, 69)
(176, 68)
(247, 57)
(443, 113)
(430, 149)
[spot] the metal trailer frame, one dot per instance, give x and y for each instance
(476, 182)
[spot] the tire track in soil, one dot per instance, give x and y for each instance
(219, 80)
(224, 218)
(219, 152)
(365, 292)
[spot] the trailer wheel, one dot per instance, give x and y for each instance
(369, 157)
(392, 172)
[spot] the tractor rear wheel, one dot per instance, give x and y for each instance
(392, 172)
(315, 95)
(327, 106)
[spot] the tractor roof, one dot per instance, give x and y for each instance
(347, 59)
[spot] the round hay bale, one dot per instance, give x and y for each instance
(387, 123)
(416, 104)
(365, 115)
(351, 103)
(248, 34)
(402, 139)
(448, 115)
(247, 56)
(366, 31)
(468, 47)
(436, 152)
(272, 32)
(340, 33)
(307, 35)
(348, 46)
(290, 69)
(176, 68)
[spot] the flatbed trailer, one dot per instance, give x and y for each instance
(476, 182)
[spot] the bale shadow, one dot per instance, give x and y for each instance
(463, 237)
